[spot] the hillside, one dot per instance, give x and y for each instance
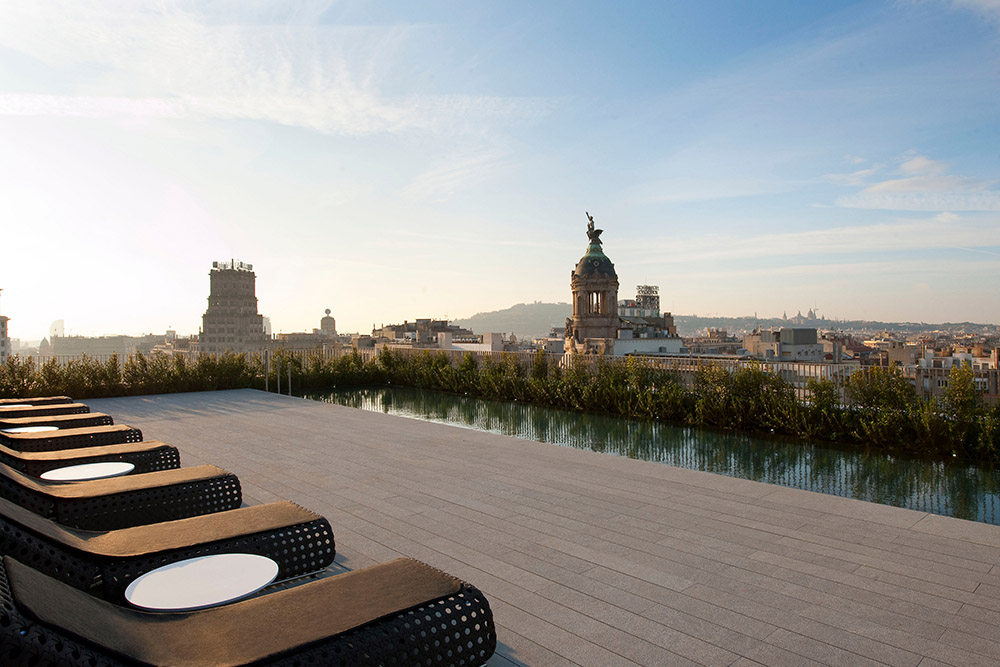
(533, 320)
(525, 320)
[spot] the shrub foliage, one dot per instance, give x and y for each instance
(879, 406)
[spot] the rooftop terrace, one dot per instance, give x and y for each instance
(594, 559)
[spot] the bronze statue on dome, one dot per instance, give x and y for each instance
(593, 234)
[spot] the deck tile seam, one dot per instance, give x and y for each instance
(884, 554)
(529, 591)
(790, 624)
(949, 606)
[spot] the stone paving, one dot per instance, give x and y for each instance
(593, 559)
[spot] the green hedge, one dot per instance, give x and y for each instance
(884, 410)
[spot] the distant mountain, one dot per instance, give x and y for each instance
(693, 325)
(525, 320)
(533, 320)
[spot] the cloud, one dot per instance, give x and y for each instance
(924, 185)
(30, 104)
(989, 9)
(922, 165)
(943, 231)
(134, 60)
(853, 179)
(448, 177)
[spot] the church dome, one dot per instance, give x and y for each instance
(595, 262)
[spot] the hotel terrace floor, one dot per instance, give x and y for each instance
(592, 559)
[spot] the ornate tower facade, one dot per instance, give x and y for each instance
(232, 322)
(594, 325)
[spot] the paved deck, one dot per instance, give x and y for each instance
(593, 559)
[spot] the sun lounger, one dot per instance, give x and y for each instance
(36, 400)
(42, 410)
(119, 502)
(60, 421)
(104, 563)
(146, 456)
(400, 613)
(70, 438)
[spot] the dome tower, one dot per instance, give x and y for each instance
(594, 325)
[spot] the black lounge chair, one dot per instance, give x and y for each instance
(59, 421)
(36, 400)
(146, 456)
(43, 410)
(104, 563)
(71, 438)
(400, 613)
(120, 502)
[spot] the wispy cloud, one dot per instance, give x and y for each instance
(852, 179)
(923, 184)
(32, 104)
(449, 176)
(940, 232)
(170, 61)
(989, 9)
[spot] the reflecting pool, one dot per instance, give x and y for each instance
(963, 491)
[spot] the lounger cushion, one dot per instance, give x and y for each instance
(238, 633)
(108, 451)
(146, 456)
(90, 420)
(70, 438)
(36, 410)
(146, 539)
(37, 400)
(104, 487)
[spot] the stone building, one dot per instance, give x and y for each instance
(328, 325)
(593, 327)
(232, 322)
(325, 335)
(423, 331)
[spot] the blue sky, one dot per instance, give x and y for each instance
(400, 160)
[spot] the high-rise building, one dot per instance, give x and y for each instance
(4, 340)
(232, 322)
(594, 325)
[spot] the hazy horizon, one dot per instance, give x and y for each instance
(435, 159)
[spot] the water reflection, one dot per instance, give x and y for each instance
(962, 491)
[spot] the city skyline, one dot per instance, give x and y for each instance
(436, 159)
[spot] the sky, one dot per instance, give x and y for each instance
(397, 160)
